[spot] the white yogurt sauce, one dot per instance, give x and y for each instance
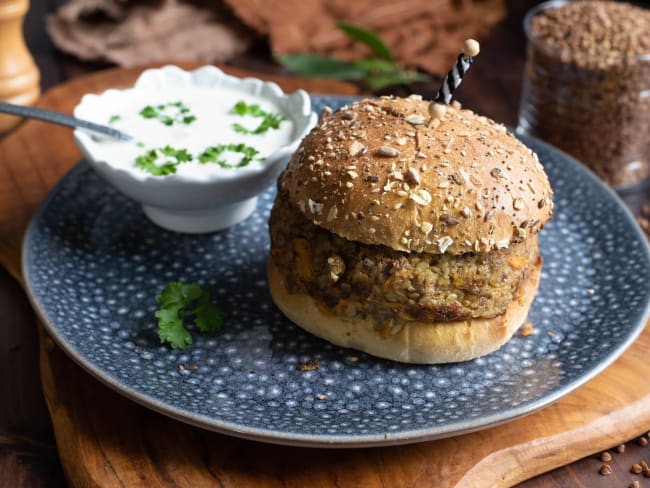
(213, 126)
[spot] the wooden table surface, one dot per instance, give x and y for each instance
(28, 455)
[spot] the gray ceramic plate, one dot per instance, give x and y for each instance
(94, 264)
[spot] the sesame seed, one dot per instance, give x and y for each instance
(332, 214)
(459, 177)
(387, 151)
(357, 149)
(413, 177)
(444, 243)
(415, 119)
(315, 207)
(497, 173)
(421, 197)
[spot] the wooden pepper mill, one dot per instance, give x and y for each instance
(19, 76)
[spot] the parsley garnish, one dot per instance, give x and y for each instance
(162, 161)
(212, 154)
(169, 113)
(180, 155)
(175, 301)
(114, 118)
(149, 112)
(269, 120)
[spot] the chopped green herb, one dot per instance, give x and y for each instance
(172, 113)
(242, 108)
(174, 310)
(212, 155)
(149, 112)
(114, 118)
(269, 120)
(181, 155)
(139, 144)
(162, 161)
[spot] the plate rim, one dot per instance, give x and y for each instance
(324, 440)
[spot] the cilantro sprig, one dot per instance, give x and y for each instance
(213, 155)
(162, 161)
(176, 302)
(269, 120)
(171, 113)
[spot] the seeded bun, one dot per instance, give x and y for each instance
(416, 342)
(378, 172)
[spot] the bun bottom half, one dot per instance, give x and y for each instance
(417, 342)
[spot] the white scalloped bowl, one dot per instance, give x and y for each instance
(182, 203)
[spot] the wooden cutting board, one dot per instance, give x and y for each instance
(106, 440)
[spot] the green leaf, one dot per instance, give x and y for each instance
(169, 114)
(212, 154)
(174, 302)
(376, 72)
(240, 108)
(208, 316)
(237, 127)
(150, 161)
(374, 66)
(270, 120)
(314, 65)
(183, 156)
(400, 77)
(171, 329)
(147, 162)
(149, 112)
(368, 38)
(114, 118)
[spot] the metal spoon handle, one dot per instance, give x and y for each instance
(62, 119)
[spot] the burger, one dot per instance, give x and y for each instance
(407, 236)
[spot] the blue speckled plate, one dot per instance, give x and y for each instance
(93, 264)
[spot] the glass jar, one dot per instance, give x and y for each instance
(592, 102)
